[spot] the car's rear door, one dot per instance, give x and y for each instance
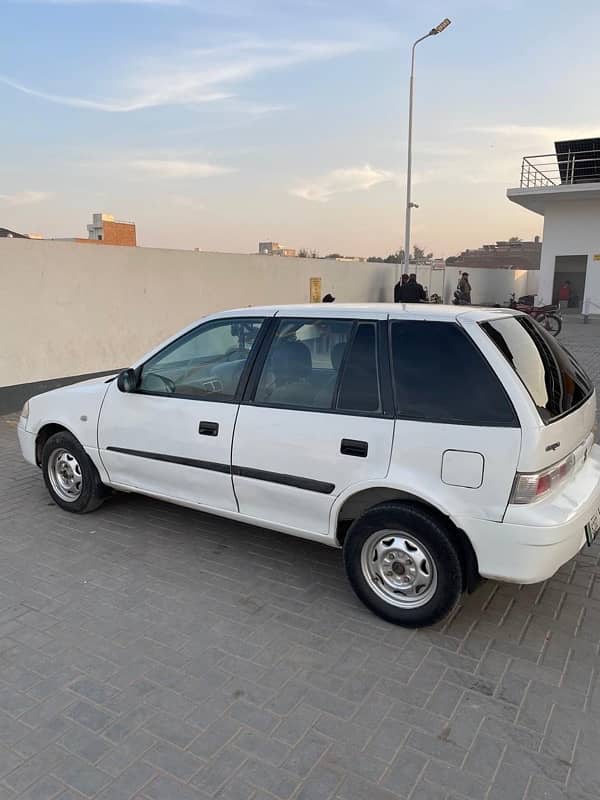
(314, 421)
(172, 437)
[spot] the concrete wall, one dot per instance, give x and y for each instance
(491, 286)
(70, 309)
(572, 228)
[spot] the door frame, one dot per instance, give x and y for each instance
(265, 328)
(384, 367)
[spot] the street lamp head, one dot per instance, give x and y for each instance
(441, 27)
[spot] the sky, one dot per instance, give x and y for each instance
(218, 123)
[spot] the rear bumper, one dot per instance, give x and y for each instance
(535, 540)
(27, 442)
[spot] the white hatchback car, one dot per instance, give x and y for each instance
(434, 444)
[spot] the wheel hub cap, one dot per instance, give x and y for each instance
(399, 568)
(65, 475)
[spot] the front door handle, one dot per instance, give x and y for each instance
(208, 429)
(354, 447)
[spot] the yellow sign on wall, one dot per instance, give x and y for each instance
(315, 290)
(596, 256)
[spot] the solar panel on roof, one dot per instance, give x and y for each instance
(578, 160)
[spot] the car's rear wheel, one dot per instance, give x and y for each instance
(403, 565)
(70, 475)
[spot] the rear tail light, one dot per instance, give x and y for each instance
(531, 486)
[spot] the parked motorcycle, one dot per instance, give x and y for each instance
(459, 299)
(549, 317)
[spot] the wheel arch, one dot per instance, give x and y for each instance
(47, 430)
(352, 505)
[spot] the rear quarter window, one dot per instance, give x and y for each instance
(441, 376)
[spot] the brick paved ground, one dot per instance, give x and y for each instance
(154, 653)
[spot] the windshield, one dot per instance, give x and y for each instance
(555, 381)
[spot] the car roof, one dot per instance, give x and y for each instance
(432, 311)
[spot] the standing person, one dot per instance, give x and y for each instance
(464, 288)
(399, 289)
(564, 294)
(413, 292)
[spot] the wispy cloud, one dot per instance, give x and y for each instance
(170, 168)
(548, 133)
(24, 198)
(199, 76)
(338, 181)
(133, 103)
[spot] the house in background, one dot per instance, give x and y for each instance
(275, 249)
(511, 254)
(105, 228)
(564, 187)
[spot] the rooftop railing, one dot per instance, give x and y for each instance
(554, 169)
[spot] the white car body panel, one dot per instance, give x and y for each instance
(167, 426)
(305, 445)
(524, 543)
(417, 462)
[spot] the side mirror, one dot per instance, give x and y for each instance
(127, 380)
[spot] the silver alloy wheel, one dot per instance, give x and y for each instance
(65, 475)
(399, 568)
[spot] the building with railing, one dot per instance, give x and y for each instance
(564, 187)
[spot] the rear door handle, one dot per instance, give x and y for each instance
(354, 447)
(208, 429)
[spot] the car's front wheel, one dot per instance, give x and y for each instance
(70, 475)
(403, 565)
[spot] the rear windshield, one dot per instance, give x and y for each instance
(553, 378)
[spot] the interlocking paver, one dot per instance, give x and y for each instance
(80, 775)
(174, 760)
(45, 789)
(85, 744)
(152, 652)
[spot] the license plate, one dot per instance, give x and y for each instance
(592, 528)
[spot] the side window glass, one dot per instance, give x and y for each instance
(359, 387)
(303, 362)
(441, 376)
(207, 363)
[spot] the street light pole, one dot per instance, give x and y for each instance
(409, 204)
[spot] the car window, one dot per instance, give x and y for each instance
(303, 362)
(441, 376)
(206, 363)
(555, 381)
(359, 385)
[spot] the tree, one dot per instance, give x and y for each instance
(375, 260)
(395, 258)
(515, 240)
(303, 253)
(418, 252)
(313, 254)
(334, 255)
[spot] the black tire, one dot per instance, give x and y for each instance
(427, 532)
(91, 492)
(552, 324)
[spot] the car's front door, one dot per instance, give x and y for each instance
(313, 422)
(172, 436)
